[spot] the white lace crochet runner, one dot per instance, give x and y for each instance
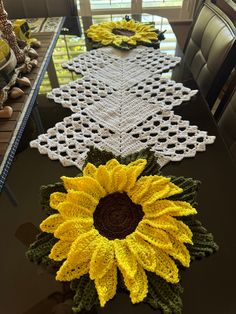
(154, 90)
(122, 70)
(120, 112)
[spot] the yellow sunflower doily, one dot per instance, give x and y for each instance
(124, 34)
(112, 218)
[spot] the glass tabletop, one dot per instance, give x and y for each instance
(29, 289)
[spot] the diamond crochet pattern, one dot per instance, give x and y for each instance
(122, 105)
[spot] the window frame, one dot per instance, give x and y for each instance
(173, 13)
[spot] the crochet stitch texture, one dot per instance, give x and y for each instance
(124, 34)
(147, 257)
(122, 105)
(157, 237)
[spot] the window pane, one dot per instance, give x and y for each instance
(161, 3)
(110, 4)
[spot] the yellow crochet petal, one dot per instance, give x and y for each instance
(111, 164)
(83, 247)
(60, 250)
(125, 260)
(183, 233)
(163, 222)
(154, 236)
(160, 188)
(119, 179)
(125, 38)
(102, 258)
(184, 209)
(139, 189)
(179, 252)
(133, 170)
(86, 184)
(70, 210)
(149, 186)
(129, 24)
(82, 199)
(71, 229)
(69, 271)
(174, 189)
(145, 39)
(51, 223)
(56, 199)
(152, 35)
(117, 41)
(165, 267)
(172, 208)
(106, 285)
(103, 176)
(143, 251)
(106, 42)
(138, 286)
(90, 170)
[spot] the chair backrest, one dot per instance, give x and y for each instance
(40, 8)
(227, 125)
(229, 8)
(211, 50)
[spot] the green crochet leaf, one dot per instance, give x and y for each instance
(100, 157)
(85, 294)
(46, 191)
(125, 46)
(39, 250)
(203, 241)
(152, 167)
(190, 189)
(163, 295)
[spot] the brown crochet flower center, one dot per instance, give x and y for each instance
(123, 32)
(116, 216)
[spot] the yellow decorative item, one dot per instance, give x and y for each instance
(124, 34)
(111, 218)
(23, 32)
(4, 51)
(22, 29)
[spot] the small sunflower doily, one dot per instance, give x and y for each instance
(120, 226)
(125, 34)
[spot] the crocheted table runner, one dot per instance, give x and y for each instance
(122, 105)
(119, 69)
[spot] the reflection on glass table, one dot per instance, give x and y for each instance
(70, 46)
(28, 289)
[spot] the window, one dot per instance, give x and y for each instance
(110, 4)
(171, 9)
(161, 3)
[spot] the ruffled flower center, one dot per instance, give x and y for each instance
(123, 32)
(116, 216)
